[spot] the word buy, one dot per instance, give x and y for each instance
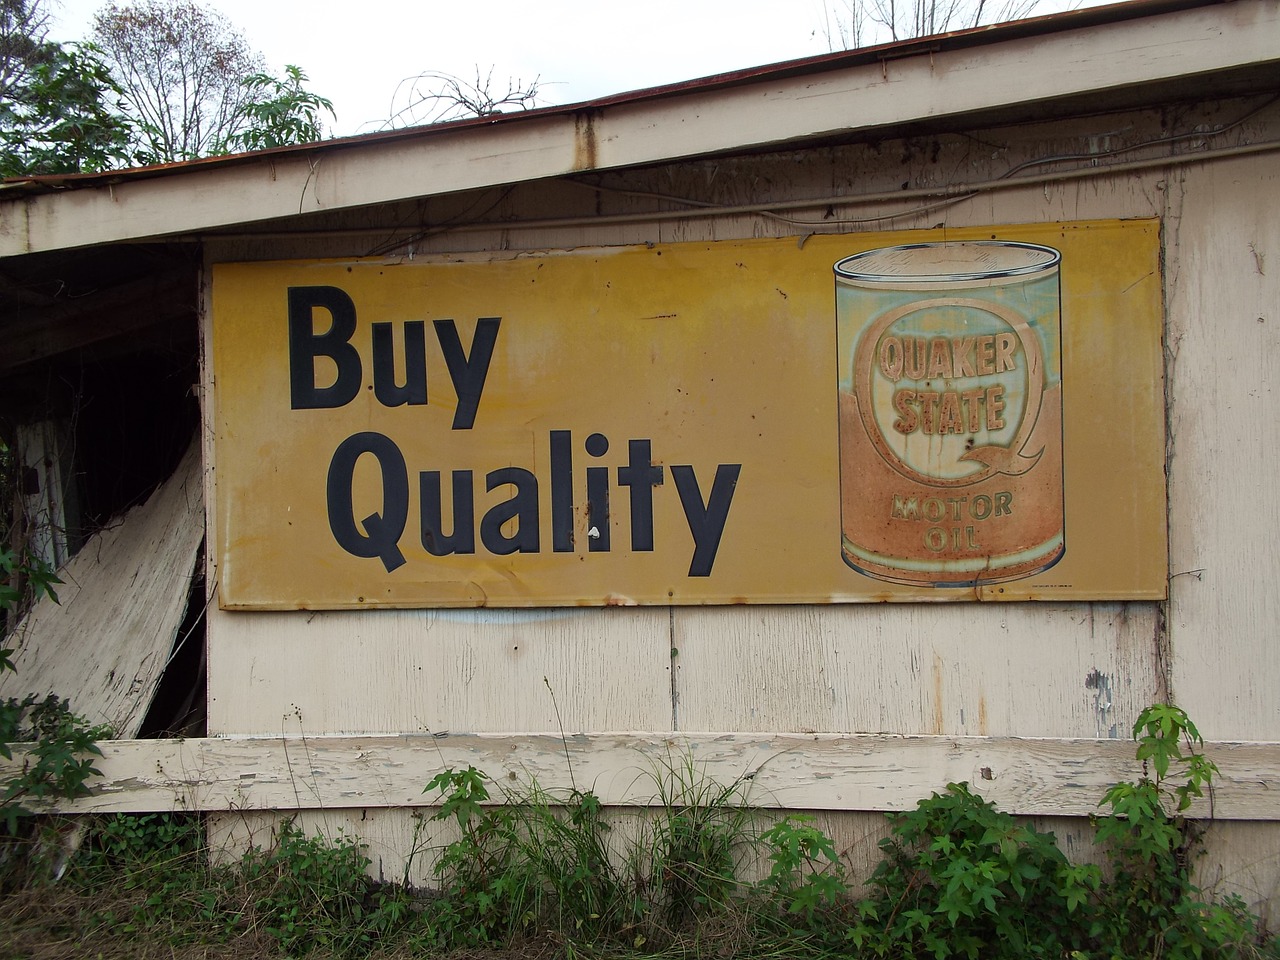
(512, 525)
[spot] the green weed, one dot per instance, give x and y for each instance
(1151, 906)
(684, 867)
(532, 864)
(518, 866)
(960, 878)
(806, 876)
(303, 893)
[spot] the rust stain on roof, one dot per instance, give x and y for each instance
(584, 140)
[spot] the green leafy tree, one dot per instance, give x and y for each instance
(281, 112)
(63, 121)
(58, 110)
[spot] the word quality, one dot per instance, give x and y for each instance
(510, 526)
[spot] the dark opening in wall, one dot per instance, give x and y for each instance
(179, 706)
(101, 346)
(99, 401)
(134, 417)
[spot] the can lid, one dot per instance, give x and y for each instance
(957, 261)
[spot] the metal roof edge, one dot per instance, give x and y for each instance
(1072, 59)
(841, 59)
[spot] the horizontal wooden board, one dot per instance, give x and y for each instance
(755, 113)
(822, 771)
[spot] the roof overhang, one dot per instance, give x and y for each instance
(1017, 69)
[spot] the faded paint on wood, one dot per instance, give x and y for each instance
(123, 597)
(1057, 671)
(1223, 250)
(438, 670)
(1016, 670)
(780, 771)
(899, 183)
(47, 510)
(926, 85)
(1244, 859)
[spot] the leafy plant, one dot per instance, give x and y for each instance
(155, 865)
(311, 892)
(963, 879)
(303, 892)
(959, 878)
(1152, 905)
(22, 577)
(58, 103)
(280, 112)
(804, 899)
(806, 874)
(59, 761)
(123, 842)
(532, 863)
(538, 864)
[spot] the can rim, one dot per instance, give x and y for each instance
(1053, 259)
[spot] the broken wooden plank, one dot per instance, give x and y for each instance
(105, 645)
(1049, 777)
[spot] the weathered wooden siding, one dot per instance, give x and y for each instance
(1030, 777)
(1040, 670)
(432, 670)
(1028, 670)
(1222, 242)
(1033, 669)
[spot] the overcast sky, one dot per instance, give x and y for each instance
(356, 54)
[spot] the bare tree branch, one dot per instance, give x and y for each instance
(435, 97)
(24, 30)
(849, 24)
(181, 67)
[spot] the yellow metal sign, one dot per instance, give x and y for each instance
(942, 416)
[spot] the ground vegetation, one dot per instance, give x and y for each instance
(700, 874)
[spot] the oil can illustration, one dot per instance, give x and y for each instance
(950, 388)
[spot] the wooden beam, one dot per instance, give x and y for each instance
(764, 112)
(34, 333)
(791, 771)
